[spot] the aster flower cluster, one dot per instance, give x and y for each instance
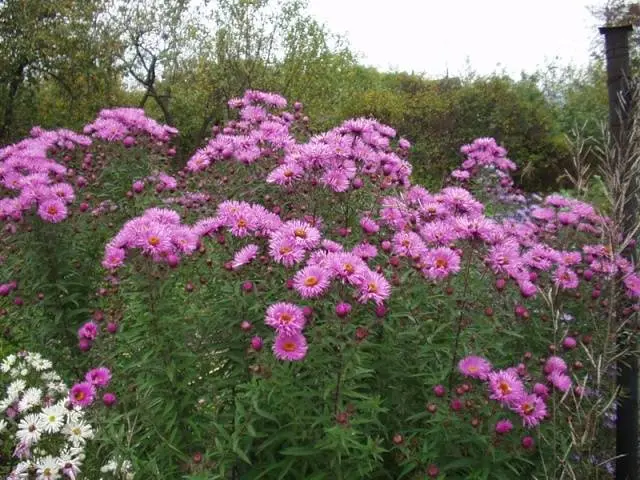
(29, 170)
(340, 158)
(49, 432)
(261, 130)
(432, 229)
(83, 394)
(508, 388)
(158, 233)
(485, 153)
(126, 125)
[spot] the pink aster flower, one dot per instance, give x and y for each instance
(82, 394)
(346, 267)
(560, 381)
(89, 331)
(63, 191)
(632, 282)
(312, 281)
(285, 250)
(373, 286)
(285, 317)
(408, 244)
(365, 251)
(302, 233)
(98, 377)
(531, 409)
(369, 226)
(290, 346)
(504, 426)
(505, 386)
(474, 367)
(285, 174)
(565, 278)
(331, 246)
(113, 257)
(52, 210)
(554, 364)
(244, 255)
(440, 263)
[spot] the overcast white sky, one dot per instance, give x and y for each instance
(433, 36)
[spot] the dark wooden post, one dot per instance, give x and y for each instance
(618, 81)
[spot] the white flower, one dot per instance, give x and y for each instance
(75, 415)
(47, 468)
(110, 466)
(40, 364)
(14, 389)
(22, 469)
(69, 461)
(78, 433)
(57, 387)
(52, 418)
(24, 372)
(51, 377)
(31, 398)
(29, 429)
(7, 363)
(4, 404)
(3, 424)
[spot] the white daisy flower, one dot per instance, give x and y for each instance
(7, 363)
(52, 418)
(29, 429)
(14, 389)
(22, 469)
(47, 468)
(3, 424)
(75, 415)
(51, 377)
(69, 461)
(4, 404)
(78, 433)
(32, 397)
(41, 364)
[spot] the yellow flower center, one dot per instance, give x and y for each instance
(372, 288)
(289, 346)
(285, 317)
(52, 210)
(527, 408)
(311, 281)
(504, 388)
(154, 241)
(441, 263)
(285, 250)
(300, 233)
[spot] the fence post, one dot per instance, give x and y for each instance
(618, 82)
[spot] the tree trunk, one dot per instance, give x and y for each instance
(8, 114)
